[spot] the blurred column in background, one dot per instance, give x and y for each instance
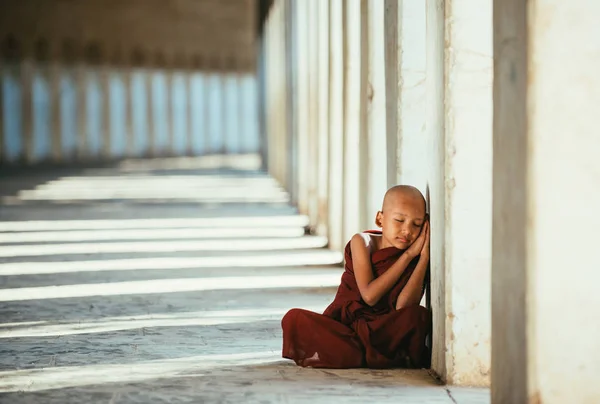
(546, 169)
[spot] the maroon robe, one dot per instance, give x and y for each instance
(351, 334)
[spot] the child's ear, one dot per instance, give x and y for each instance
(378, 219)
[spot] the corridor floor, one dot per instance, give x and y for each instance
(165, 282)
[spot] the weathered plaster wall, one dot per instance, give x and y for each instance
(545, 302)
(468, 179)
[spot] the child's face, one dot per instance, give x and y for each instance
(401, 221)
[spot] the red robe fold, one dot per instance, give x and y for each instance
(351, 334)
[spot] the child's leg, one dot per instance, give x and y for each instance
(314, 340)
(398, 336)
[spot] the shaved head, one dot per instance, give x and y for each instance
(399, 193)
(401, 217)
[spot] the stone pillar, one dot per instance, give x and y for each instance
(545, 302)
(269, 91)
(468, 173)
(127, 72)
(168, 70)
(152, 137)
(313, 110)
(225, 134)
(55, 70)
(81, 87)
(26, 75)
(336, 125)
(105, 91)
(278, 90)
(391, 73)
(378, 152)
(189, 110)
(303, 104)
(354, 104)
(291, 72)
(262, 97)
(435, 186)
(229, 111)
(3, 152)
(272, 109)
(323, 117)
(210, 103)
(411, 120)
(282, 93)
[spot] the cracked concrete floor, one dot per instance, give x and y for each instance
(116, 297)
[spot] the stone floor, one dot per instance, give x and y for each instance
(142, 284)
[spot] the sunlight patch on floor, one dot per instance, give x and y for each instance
(300, 258)
(257, 222)
(144, 234)
(71, 376)
(321, 280)
(263, 244)
(120, 323)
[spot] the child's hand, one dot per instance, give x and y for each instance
(425, 249)
(417, 247)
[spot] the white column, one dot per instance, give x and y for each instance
(105, 90)
(354, 103)
(26, 76)
(152, 136)
(168, 71)
(468, 129)
(81, 85)
(336, 125)
(323, 117)
(391, 76)
(127, 72)
(209, 103)
(411, 118)
(270, 83)
(3, 151)
(433, 168)
(190, 135)
(545, 300)
(303, 104)
(290, 68)
(378, 152)
(313, 110)
(281, 88)
(55, 70)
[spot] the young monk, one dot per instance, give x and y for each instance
(375, 319)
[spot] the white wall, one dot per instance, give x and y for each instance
(564, 197)
(468, 177)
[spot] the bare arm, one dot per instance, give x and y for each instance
(371, 289)
(413, 291)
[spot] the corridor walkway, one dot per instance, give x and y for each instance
(165, 281)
